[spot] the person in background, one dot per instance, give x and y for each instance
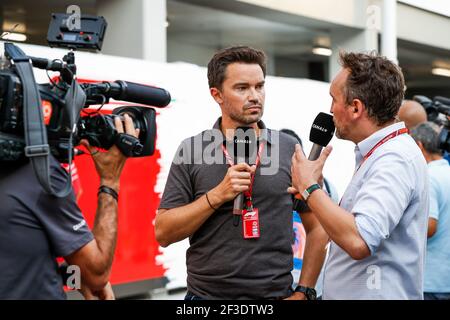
(299, 231)
(412, 113)
(437, 267)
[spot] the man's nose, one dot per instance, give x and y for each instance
(253, 95)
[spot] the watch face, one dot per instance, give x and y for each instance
(311, 295)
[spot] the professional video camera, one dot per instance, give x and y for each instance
(23, 132)
(438, 111)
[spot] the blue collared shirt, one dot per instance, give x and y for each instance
(437, 268)
(388, 195)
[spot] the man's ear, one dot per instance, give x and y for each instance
(357, 108)
(216, 94)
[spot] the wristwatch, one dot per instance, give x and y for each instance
(308, 191)
(310, 293)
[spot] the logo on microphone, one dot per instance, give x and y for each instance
(315, 126)
(242, 141)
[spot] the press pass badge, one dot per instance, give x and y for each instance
(250, 224)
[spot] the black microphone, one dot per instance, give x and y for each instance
(244, 150)
(322, 131)
(139, 93)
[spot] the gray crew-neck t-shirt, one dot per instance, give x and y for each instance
(221, 264)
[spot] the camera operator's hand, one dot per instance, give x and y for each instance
(237, 180)
(106, 293)
(109, 164)
(96, 257)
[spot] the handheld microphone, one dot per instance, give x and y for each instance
(322, 131)
(244, 150)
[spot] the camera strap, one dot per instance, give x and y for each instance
(37, 147)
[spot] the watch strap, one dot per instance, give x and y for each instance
(310, 190)
(310, 293)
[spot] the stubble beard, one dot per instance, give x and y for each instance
(247, 119)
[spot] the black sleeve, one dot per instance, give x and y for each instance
(300, 206)
(178, 190)
(61, 218)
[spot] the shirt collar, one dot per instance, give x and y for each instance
(367, 144)
(438, 163)
(265, 134)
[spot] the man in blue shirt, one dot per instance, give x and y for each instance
(378, 232)
(437, 268)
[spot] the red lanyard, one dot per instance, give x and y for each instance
(248, 193)
(381, 142)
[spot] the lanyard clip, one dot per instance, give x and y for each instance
(249, 204)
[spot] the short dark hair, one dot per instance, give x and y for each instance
(376, 81)
(428, 134)
(241, 54)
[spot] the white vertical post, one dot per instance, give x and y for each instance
(389, 30)
(136, 28)
(154, 30)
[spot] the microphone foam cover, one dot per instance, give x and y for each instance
(322, 130)
(245, 145)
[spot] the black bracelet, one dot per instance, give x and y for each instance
(108, 190)
(207, 199)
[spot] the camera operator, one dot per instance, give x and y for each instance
(437, 268)
(36, 227)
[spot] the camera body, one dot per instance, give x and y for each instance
(11, 100)
(63, 101)
(438, 111)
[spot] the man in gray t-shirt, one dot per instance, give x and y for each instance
(201, 186)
